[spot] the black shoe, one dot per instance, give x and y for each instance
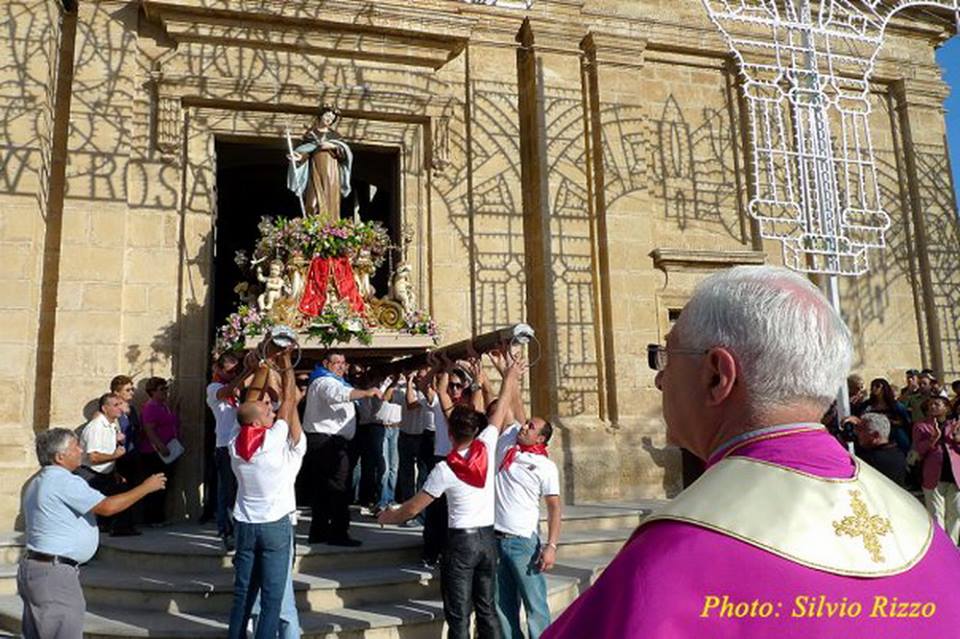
(346, 540)
(126, 532)
(319, 538)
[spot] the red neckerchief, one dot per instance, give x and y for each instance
(250, 440)
(536, 449)
(473, 468)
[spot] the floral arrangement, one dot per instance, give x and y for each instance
(339, 323)
(315, 236)
(420, 323)
(294, 242)
(244, 323)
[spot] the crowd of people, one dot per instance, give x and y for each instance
(911, 436)
(469, 465)
(439, 447)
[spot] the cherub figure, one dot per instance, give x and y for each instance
(274, 285)
(401, 289)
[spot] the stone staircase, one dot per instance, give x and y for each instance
(177, 582)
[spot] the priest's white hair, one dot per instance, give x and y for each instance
(790, 344)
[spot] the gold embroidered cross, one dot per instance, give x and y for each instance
(863, 524)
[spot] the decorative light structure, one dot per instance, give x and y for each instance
(806, 70)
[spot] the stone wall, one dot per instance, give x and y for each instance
(582, 171)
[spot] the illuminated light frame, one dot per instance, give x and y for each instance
(806, 79)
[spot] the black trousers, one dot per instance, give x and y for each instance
(435, 526)
(408, 452)
(155, 504)
(327, 463)
(372, 464)
(467, 581)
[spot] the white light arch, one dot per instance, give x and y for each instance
(806, 72)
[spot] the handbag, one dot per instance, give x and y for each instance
(175, 449)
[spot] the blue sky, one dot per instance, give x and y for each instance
(949, 58)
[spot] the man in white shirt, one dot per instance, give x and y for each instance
(466, 478)
(330, 422)
(102, 444)
(266, 455)
(524, 474)
(223, 397)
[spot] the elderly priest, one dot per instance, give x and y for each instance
(785, 534)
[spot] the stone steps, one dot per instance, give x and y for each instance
(177, 582)
(418, 618)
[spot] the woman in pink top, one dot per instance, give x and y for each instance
(936, 442)
(160, 426)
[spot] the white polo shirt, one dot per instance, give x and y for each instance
(329, 408)
(265, 483)
(224, 413)
(520, 487)
(99, 436)
(467, 506)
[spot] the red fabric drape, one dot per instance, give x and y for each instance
(473, 468)
(315, 293)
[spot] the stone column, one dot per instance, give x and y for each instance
(536, 224)
(919, 105)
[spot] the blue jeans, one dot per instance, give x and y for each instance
(289, 618)
(519, 579)
(226, 491)
(392, 457)
(262, 565)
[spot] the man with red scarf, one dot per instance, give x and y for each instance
(466, 477)
(524, 474)
(266, 455)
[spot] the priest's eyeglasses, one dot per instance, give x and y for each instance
(657, 355)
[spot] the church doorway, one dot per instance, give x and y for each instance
(252, 182)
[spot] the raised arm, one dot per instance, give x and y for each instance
(289, 398)
(228, 391)
(508, 388)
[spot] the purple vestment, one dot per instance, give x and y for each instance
(659, 583)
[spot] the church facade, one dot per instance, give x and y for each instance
(575, 164)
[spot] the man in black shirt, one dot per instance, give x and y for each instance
(874, 447)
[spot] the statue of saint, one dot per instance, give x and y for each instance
(320, 167)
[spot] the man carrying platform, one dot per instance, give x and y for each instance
(466, 477)
(785, 534)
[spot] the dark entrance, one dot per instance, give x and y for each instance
(252, 182)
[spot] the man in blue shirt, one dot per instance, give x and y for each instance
(60, 511)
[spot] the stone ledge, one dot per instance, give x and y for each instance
(674, 259)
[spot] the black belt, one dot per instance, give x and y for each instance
(51, 559)
(504, 535)
(469, 531)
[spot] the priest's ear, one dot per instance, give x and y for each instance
(722, 373)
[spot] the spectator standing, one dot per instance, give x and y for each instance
(266, 454)
(409, 440)
(223, 398)
(61, 534)
(912, 385)
(936, 442)
(122, 386)
(883, 402)
(874, 447)
(466, 476)
(330, 423)
(104, 447)
(915, 401)
(160, 427)
(955, 402)
(370, 435)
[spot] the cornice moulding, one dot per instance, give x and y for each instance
(675, 259)
(411, 37)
